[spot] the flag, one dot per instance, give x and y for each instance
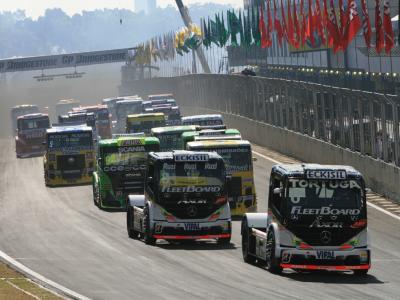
(329, 36)
(366, 23)
(296, 25)
(263, 29)
(254, 26)
(290, 28)
(353, 24)
(333, 28)
(206, 35)
(222, 32)
(214, 32)
(310, 24)
(269, 24)
(284, 27)
(241, 29)
(342, 17)
(379, 44)
(303, 36)
(278, 26)
(235, 25)
(387, 26)
(319, 22)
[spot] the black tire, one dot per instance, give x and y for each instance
(247, 257)
(361, 273)
(272, 263)
(95, 196)
(132, 233)
(147, 236)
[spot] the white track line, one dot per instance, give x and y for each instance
(370, 204)
(36, 277)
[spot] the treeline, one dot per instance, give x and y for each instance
(56, 32)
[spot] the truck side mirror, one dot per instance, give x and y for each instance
(228, 179)
(254, 158)
(277, 191)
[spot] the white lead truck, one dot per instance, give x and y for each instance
(316, 220)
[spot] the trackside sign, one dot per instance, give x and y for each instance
(65, 60)
(191, 157)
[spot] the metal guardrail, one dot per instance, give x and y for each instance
(360, 121)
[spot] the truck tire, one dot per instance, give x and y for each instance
(247, 257)
(272, 263)
(132, 233)
(148, 239)
(224, 241)
(96, 196)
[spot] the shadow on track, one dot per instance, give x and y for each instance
(194, 245)
(332, 277)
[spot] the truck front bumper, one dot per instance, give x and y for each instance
(326, 259)
(191, 230)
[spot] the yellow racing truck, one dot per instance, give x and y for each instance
(238, 160)
(69, 157)
(141, 124)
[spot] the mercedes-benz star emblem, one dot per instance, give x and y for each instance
(326, 237)
(191, 211)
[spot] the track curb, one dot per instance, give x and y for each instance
(40, 279)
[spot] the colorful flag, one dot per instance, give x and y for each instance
(290, 28)
(333, 28)
(366, 23)
(353, 24)
(296, 39)
(303, 36)
(278, 26)
(387, 26)
(343, 18)
(284, 26)
(319, 23)
(310, 24)
(379, 44)
(263, 29)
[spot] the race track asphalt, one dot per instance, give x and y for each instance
(59, 233)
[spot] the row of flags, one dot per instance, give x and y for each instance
(317, 23)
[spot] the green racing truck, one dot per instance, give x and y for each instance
(120, 169)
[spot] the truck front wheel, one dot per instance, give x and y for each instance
(148, 238)
(132, 233)
(272, 262)
(247, 257)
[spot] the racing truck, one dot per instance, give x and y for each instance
(66, 105)
(172, 113)
(69, 157)
(102, 118)
(210, 121)
(123, 108)
(171, 136)
(185, 198)
(316, 220)
(31, 133)
(143, 123)
(120, 169)
(20, 110)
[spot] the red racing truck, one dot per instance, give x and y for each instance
(31, 135)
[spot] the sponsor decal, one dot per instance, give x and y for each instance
(302, 183)
(318, 223)
(326, 174)
(191, 157)
(192, 189)
(131, 149)
(325, 210)
(325, 254)
(132, 142)
(124, 168)
(192, 201)
(192, 226)
(167, 166)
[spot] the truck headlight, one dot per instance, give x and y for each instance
(363, 256)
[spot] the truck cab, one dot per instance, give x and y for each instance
(21, 110)
(31, 135)
(316, 220)
(209, 121)
(185, 198)
(120, 169)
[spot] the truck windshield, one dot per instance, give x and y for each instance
(170, 141)
(191, 177)
(26, 124)
(144, 126)
(122, 110)
(120, 158)
(343, 194)
(236, 159)
(75, 141)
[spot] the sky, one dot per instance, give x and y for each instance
(36, 8)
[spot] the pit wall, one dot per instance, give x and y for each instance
(195, 97)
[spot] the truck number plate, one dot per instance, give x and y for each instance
(192, 226)
(323, 254)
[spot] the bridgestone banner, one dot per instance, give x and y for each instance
(65, 60)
